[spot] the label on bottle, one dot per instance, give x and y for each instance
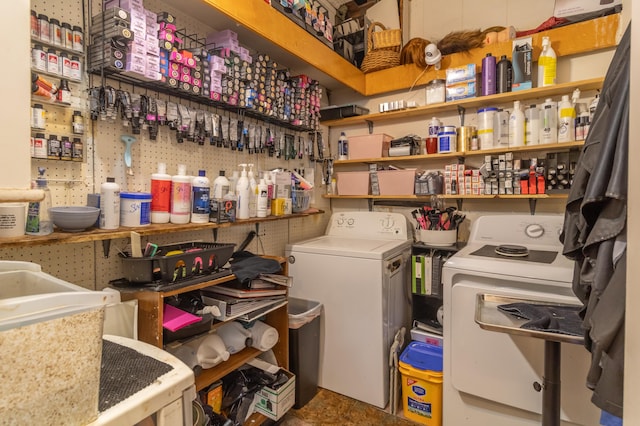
(160, 195)
(33, 218)
(181, 198)
(200, 203)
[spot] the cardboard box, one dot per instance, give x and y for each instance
(369, 146)
(521, 61)
(274, 403)
(461, 91)
(461, 74)
(575, 10)
(353, 183)
(396, 182)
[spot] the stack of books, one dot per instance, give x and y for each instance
(246, 302)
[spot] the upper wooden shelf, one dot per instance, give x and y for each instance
(479, 101)
(93, 234)
(264, 29)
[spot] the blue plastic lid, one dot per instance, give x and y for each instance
(135, 195)
(201, 173)
(487, 109)
(422, 356)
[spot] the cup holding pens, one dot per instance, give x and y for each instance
(440, 238)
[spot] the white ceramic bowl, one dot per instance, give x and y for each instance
(74, 218)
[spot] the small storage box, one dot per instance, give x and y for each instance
(369, 146)
(396, 182)
(274, 403)
(353, 183)
(178, 262)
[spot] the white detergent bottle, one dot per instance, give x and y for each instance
(180, 196)
(516, 126)
(566, 120)
(200, 195)
(161, 195)
(253, 193)
(547, 63)
(548, 122)
(243, 191)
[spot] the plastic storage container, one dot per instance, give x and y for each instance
(353, 183)
(304, 347)
(300, 199)
(396, 182)
(49, 329)
(369, 146)
(421, 369)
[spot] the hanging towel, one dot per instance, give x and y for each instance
(549, 318)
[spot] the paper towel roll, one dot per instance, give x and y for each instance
(264, 336)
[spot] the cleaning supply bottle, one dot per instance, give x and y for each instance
(180, 196)
(532, 125)
(161, 195)
(504, 75)
(547, 63)
(38, 220)
(488, 75)
(243, 191)
(253, 193)
(343, 147)
(200, 191)
(516, 126)
(548, 122)
(270, 189)
(110, 204)
(263, 199)
(220, 186)
(566, 120)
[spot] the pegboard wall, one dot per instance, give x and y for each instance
(70, 182)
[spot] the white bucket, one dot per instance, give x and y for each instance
(12, 219)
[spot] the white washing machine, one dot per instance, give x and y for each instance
(358, 270)
(492, 378)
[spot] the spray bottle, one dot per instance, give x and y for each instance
(38, 220)
(180, 196)
(547, 63)
(161, 195)
(200, 194)
(243, 191)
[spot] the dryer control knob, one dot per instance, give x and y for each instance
(291, 259)
(534, 230)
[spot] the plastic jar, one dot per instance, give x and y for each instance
(435, 91)
(486, 132)
(135, 208)
(447, 139)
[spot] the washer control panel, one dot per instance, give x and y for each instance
(369, 225)
(543, 230)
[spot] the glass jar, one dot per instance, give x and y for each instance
(435, 91)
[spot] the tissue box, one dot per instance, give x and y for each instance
(274, 403)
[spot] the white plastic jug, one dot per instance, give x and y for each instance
(235, 336)
(211, 351)
(264, 336)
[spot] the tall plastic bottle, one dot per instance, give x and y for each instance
(253, 193)
(110, 204)
(343, 147)
(504, 75)
(220, 186)
(501, 129)
(270, 189)
(532, 125)
(263, 199)
(547, 63)
(38, 220)
(243, 192)
(516, 126)
(200, 194)
(548, 122)
(488, 75)
(233, 182)
(566, 120)
(180, 196)
(161, 195)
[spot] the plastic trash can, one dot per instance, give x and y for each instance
(304, 347)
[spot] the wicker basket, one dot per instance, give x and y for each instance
(385, 39)
(378, 59)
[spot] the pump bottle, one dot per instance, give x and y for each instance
(243, 192)
(567, 120)
(180, 196)
(161, 195)
(38, 220)
(200, 191)
(516, 126)
(547, 63)
(110, 204)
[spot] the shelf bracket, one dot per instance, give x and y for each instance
(459, 203)
(106, 245)
(370, 125)
(371, 203)
(215, 235)
(532, 206)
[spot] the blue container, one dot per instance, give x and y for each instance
(422, 356)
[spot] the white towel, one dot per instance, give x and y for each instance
(264, 336)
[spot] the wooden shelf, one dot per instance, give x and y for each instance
(59, 237)
(482, 101)
(210, 375)
(457, 197)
